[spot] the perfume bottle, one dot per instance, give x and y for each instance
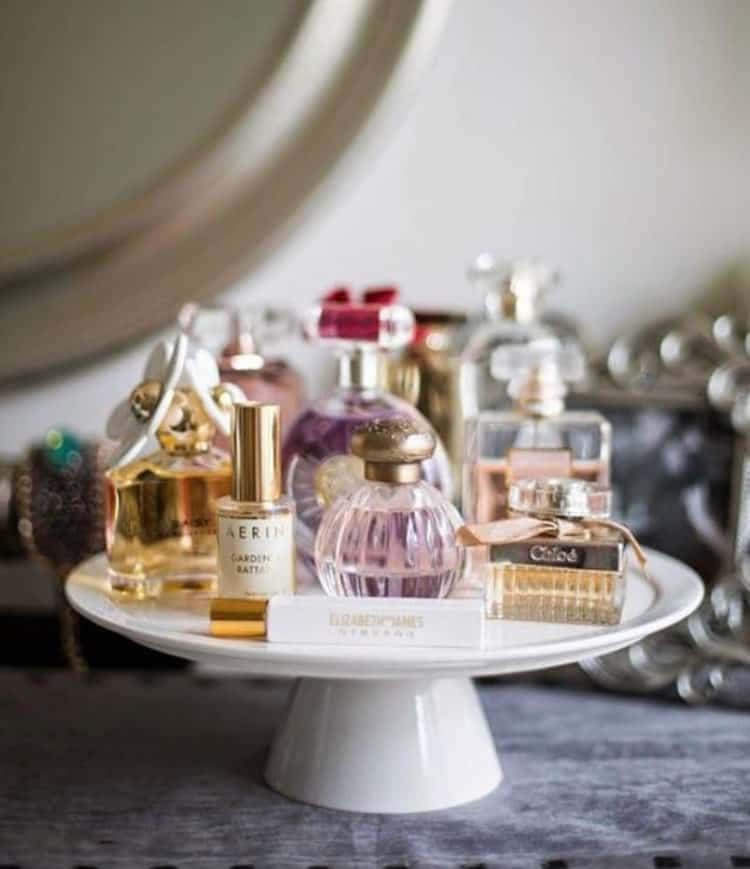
(569, 564)
(427, 374)
(238, 338)
(538, 438)
(394, 535)
(255, 525)
(160, 507)
(514, 293)
(315, 450)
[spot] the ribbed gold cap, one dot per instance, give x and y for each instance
(256, 452)
(238, 617)
(392, 449)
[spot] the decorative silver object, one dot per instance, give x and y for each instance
(707, 657)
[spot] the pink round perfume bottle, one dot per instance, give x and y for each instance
(394, 535)
(358, 332)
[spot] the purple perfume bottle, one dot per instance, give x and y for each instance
(313, 448)
(394, 535)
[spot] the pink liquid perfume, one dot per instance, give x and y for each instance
(394, 535)
(312, 453)
(538, 438)
(238, 338)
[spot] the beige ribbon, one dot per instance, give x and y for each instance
(522, 528)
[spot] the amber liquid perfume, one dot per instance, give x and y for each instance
(255, 526)
(161, 509)
(571, 569)
(394, 535)
(538, 438)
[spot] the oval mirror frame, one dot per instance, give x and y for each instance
(346, 71)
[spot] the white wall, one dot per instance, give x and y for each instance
(610, 137)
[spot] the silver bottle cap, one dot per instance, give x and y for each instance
(563, 498)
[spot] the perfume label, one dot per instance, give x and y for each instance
(256, 556)
(545, 552)
(531, 464)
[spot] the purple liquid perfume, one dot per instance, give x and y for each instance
(394, 535)
(322, 434)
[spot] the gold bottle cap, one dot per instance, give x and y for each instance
(392, 449)
(239, 617)
(256, 452)
(564, 498)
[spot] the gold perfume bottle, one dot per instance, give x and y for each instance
(161, 529)
(559, 559)
(256, 523)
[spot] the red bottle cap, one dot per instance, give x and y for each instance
(374, 318)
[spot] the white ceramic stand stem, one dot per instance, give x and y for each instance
(399, 745)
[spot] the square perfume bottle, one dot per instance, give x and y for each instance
(538, 438)
(562, 561)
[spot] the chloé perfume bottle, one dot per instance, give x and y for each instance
(538, 438)
(564, 560)
(394, 535)
(161, 506)
(238, 337)
(256, 523)
(315, 450)
(514, 293)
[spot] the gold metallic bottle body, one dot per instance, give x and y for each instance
(255, 525)
(161, 523)
(161, 510)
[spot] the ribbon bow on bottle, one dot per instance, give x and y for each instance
(522, 528)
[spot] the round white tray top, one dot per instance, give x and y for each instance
(379, 729)
(671, 592)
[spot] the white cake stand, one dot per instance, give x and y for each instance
(387, 730)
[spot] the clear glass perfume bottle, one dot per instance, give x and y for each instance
(514, 294)
(238, 338)
(538, 438)
(313, 447)
(394, 535)
(572, 572)
(256, 523)
(160, 510)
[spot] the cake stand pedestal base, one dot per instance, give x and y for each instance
(399, 745)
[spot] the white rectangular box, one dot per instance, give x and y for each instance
(399, 622)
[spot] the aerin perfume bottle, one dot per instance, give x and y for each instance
(571, 569)
(255, 525)
(394, 535)
(160, 507)
(538, 438)
(316, 449)
(514, 293)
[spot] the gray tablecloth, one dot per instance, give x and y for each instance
(135, 771)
